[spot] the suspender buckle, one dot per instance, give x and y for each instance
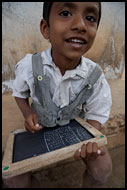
(39, 77)
(89, 86)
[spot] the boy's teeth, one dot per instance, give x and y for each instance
(76, 40)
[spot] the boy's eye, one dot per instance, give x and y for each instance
(91, 18)
(65, 13)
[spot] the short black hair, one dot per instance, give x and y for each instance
(46, 10)
(47, 7)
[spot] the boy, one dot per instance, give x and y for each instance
(57, 78)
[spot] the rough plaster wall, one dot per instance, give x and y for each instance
(109, 47)
(21, 35)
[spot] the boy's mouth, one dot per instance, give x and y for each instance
(76, 40)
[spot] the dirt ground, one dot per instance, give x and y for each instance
(69, 175)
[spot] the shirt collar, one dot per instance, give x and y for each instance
(47, 58)
(81, 70)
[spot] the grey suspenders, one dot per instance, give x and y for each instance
(50, 115)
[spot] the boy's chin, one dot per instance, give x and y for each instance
(74, 55)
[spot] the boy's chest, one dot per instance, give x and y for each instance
(65, 89)
(70, 82)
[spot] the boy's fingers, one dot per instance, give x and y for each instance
(36, 126)
(32, 124)
(77, 154)
(95, 150)
(88, 149)
(83, 151)
(35, 119)
(28, 127)
(101, 151)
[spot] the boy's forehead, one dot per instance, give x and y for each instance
(93, 5)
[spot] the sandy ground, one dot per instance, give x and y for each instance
(69, 175)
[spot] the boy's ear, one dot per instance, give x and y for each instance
(44, 28)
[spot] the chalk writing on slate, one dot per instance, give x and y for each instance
(61, 137)
(27, 145)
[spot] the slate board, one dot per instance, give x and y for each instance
(27, 145)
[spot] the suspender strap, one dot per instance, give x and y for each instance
(87, 90)
(94, 76)
(37, 65)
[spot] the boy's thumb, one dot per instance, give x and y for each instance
(37, 122)
(101, 151)
(35, 119)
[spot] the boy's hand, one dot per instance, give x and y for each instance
(32, 123)
(89, 152)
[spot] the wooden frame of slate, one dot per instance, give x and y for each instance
(49, 159)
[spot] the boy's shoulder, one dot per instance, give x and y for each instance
(25, 61)
(24, 66)
(89, 61)
(88, 64)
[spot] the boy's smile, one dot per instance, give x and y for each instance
(76, 41)
(72, 29)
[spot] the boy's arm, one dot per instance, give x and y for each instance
(95, 124)
(31, 118)
(24, 106)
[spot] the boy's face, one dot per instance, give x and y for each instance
(72, 27)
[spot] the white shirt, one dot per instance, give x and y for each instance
(64, 89)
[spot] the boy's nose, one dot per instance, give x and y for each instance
(78, 24)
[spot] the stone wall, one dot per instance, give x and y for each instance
(21, 35)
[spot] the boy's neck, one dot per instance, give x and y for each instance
(64, 63)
